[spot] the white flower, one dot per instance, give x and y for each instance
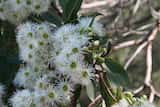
(40, 6)
(86, 75)
(22, 98)
(39, 99)
(42, 83)
(64, 88)
(97, 28)
(35, 42)
(3, 9)
(122, 103)
(68, 63)
(50, 96)
(66, 30)
(16, 11)
(26, 32)
(145, 104)
(26, 77)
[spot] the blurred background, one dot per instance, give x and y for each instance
(126, 23)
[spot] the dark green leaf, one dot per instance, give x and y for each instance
(106, 91)
(63, 3)
(116, 73)
(52, 17)
(70, 9)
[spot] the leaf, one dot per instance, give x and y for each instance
(63, 3)
(90, 91)
(70, 9)
(52, 17)
(91, 14)
(116, 73)
(106, 90)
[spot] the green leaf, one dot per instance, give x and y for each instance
(53, 17)
(70, 9)
(116, 73)
(106, 90)
(63, 3)
(90, 91)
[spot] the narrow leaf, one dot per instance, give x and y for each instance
(106, 91)
(70, 9)
(90, 91)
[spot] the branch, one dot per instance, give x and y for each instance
(97, 4)
(149, 38)
(95, 101)
(134, 32)
(127, 44)
(138, 50)
(148, 79)
(149, 65)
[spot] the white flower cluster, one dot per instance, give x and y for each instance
(54, 62)
(17, 10)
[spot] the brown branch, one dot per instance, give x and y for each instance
(138, 50)
(133, 32)
(95, 101)
(148, 79)
(127, 44)
(149, 38)
(149, 64)
(96, 4)
(149, 71)
(138, 90)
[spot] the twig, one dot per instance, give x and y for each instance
(96, 4)
(148, 79)
(95, 101)
(146, 41)
(134, 32)
(149, 71)
(127, 44)
(138, 50)
(149, 65)
(138, 90)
